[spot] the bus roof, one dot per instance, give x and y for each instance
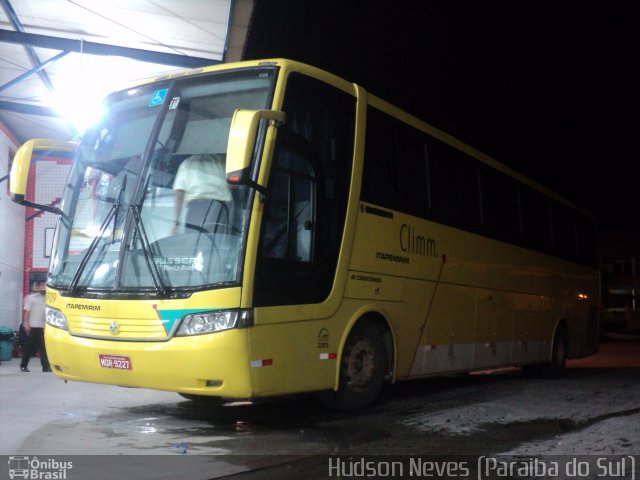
(376, 102)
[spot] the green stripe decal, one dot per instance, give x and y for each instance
(170, 317)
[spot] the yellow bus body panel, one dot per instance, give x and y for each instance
(213, 364)
(208, 364)
(457, 301)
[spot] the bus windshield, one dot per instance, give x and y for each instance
(147, 205)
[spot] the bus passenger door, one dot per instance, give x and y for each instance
(286, 251)
(300, 239)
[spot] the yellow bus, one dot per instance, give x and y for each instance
(349, 245)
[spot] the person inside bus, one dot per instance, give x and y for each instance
(201, 186)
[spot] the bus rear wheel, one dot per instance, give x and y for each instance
(556, 367)
(362, 370)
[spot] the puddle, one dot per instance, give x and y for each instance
(282, 426)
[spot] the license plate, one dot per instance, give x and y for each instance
(115, 361)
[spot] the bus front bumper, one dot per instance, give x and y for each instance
(214, 364)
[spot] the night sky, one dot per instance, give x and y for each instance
(548, 88)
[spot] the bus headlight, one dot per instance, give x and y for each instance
(56, 318)
(208, 322)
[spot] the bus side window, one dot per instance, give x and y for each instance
(413, 177)
(444, 182)
(469, 195)
(380, 174)
(501, 213)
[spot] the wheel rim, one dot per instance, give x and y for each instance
(360, 364)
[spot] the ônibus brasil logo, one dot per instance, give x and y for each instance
(38, 469)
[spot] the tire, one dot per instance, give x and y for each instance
(362, 370)
(557, 366)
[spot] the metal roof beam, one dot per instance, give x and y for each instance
(31, 52)
(25, 75)
(29, 109)
(35, 61)
(92, 48)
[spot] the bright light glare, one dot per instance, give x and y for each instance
(82, 84)
(83, 81)
(80, 107)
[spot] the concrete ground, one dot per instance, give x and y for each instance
(594, 410)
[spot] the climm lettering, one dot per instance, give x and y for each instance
(411, 242)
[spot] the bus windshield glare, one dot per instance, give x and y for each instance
(147, 206)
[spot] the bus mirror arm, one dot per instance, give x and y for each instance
(42, 208)
(242, 144)
(244, 178)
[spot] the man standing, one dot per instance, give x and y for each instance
(34, 320)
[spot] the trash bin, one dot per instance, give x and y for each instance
(7, 336)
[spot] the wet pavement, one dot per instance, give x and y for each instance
(595, 409)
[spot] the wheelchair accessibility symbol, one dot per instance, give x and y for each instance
(158, 97)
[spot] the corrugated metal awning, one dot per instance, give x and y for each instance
(107, 45)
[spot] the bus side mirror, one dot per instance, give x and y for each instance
(242, 139)
(20, 169)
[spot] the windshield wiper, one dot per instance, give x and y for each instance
(158, 283)
(94, 243)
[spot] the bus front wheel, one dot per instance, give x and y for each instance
(362, 370)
